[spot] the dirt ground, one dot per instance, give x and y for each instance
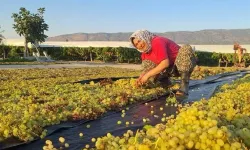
(72, 65)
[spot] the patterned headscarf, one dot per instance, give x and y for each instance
(143, 35)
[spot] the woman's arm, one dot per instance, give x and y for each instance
(158, 69)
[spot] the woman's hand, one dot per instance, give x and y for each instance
(138, 82)
(144, 79)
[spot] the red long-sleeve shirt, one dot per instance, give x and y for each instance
(162, 48)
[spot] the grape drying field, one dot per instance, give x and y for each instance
(32, 99)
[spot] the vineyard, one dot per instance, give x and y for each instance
(48, 97)
(106, 54)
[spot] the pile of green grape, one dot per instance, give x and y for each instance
(49, 103)
(44, 97)
(220, 123)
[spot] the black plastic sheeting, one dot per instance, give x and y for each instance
(108, 123)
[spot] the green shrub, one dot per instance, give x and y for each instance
(109, 54)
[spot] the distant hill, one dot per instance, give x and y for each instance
(213, 36)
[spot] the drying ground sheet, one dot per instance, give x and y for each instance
(44, 97)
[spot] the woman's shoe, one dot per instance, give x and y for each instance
(180, 96)
(181, 93)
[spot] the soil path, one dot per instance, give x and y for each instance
(72, 65)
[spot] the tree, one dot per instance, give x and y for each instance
(1, 36)
(1, 39)
(30, 26)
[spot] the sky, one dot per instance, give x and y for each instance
(111, 16)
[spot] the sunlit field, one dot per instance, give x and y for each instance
(45, 97)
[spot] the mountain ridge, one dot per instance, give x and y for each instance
(206, 36)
